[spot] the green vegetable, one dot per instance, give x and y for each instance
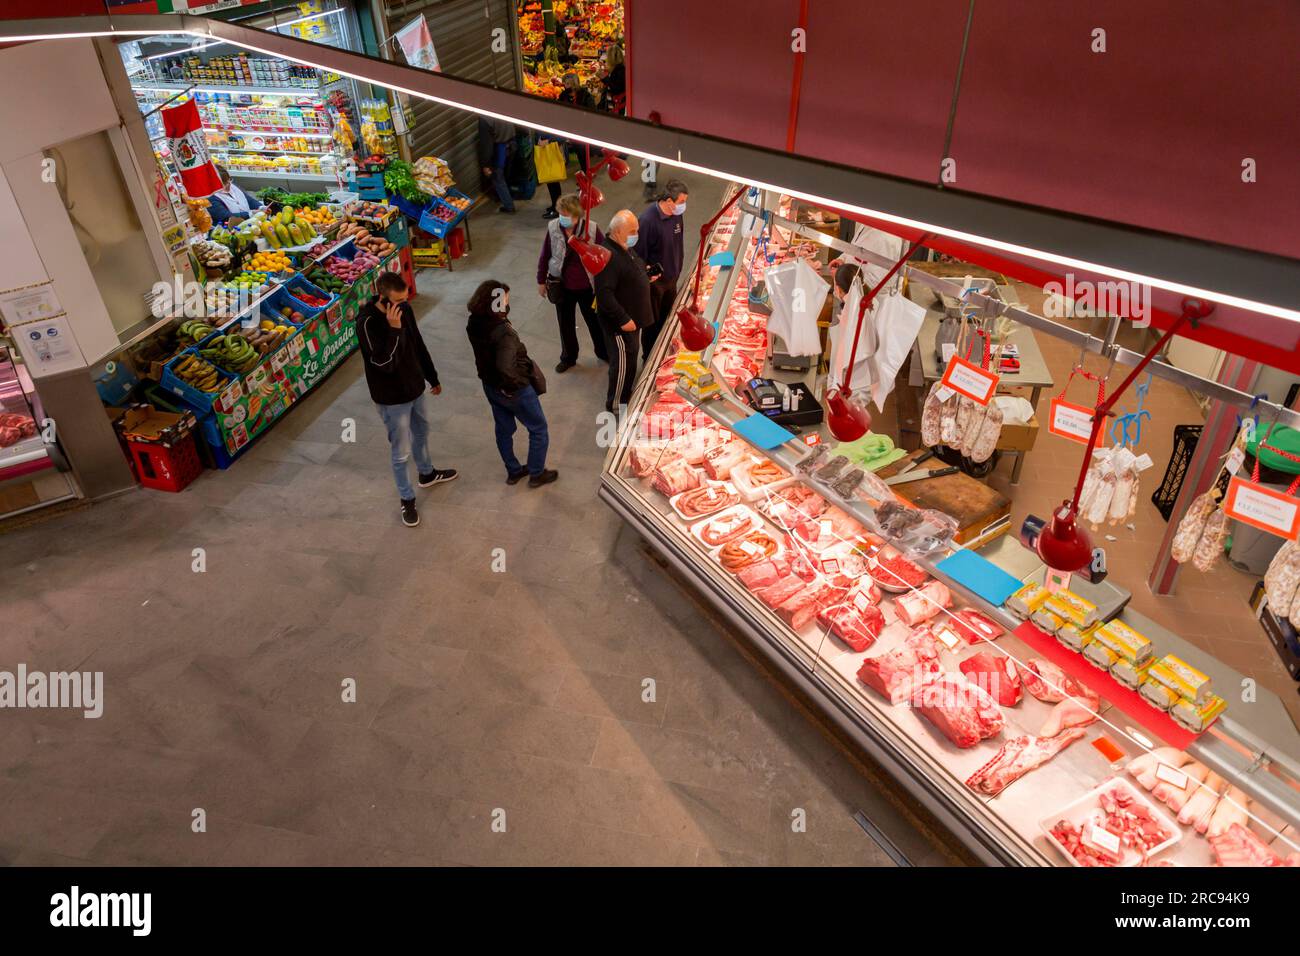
(399, 178)
(275, 194)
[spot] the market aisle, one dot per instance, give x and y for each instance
(477, 691)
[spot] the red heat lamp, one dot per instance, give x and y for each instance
(615, 166)
(697, 332)
(594, 258)
(591, 196)
(846, 415)
(1062, 544)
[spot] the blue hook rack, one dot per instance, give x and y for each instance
(1126, 430)
(1263, 396)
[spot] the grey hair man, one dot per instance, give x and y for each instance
(623, 304)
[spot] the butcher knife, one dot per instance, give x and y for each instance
(924, 456)
(920, 475)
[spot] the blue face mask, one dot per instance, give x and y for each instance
(566, 221)
(631, 240)
(679, 209)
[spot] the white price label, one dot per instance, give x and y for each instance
(947, 351)
(1175, 778)
(1235, 459)
(861, 601)
(943, 393)
(971, 380)
(950, 640)
(1143, 462)
(1102, 839)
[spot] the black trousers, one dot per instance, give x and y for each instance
(622, 349)
(662, 295)
(571, 300)
(553, 189)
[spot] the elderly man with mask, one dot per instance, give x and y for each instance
(623, 303)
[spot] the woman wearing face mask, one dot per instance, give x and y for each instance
(562, 280)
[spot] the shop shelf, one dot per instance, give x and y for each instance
(203, 86)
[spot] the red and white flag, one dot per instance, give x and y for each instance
(189, 149)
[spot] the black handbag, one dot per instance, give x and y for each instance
(554, 290)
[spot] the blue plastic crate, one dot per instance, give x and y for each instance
(200, 402)
(438, 227)
(299, 283)
(405, 206)
(371, 186)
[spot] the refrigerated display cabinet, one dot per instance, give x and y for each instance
(669, 440)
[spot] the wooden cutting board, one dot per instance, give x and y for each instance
(977, 507)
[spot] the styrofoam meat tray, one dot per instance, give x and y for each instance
(735, 510)
(724, 488)
(1079, 811)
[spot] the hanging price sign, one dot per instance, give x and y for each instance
(1072, 421)
(1264, 508)
(975, 383)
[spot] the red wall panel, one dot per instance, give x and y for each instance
(1151, 132)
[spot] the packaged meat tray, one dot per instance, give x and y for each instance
(709, 498)
(1120, 809)
(894, 573)
(717, 530)
(757, 478)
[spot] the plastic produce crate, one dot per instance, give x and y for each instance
(371, 186)
(299, 284)
(407, 208)
(1185, 439)
(194, 399)
(166, 468)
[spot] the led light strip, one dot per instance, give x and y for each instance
(1262, 308)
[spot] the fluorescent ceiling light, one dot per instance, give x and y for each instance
(1289, 315)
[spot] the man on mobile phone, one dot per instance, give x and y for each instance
(398, 366)
(663, 248)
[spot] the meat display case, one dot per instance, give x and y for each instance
(1253, 747)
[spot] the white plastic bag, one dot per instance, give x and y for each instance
(797, 294)
(897, 322)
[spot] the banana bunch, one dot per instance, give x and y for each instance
(195, 372)
(192, 332)
(234, 353)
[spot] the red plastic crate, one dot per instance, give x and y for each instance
(166, 468)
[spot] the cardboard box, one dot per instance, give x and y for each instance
(1019, 437)
(145, 423)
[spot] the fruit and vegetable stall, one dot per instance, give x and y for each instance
(280, 296)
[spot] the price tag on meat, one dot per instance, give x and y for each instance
(949, 639)
(970, 380)
(1175, 778)
(1268, 510)
(1101, 838)
(1071, 421)
(861, 601)
(1235, 459)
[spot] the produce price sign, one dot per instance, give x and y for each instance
(970, 380)
(1072, 421)
(1264, 508)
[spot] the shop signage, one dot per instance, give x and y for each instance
(970, 380)
(1264, 508)
(1072, 421)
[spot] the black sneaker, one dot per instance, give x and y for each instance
(410, 517)
(515, 477)
(508, 212)
(546, 476)
(563, 367)
(437, 476)
(550, 214)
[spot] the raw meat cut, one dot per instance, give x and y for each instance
(964, 712)
(1048, 683)
(1174, 796)
(705, 500)
(895, 673)
(1144, 768)
(1197, 811)
(644, 458)
(765, 573)
(803, 607)
(1239, 846)
(857, 624)
(675, 477)
(1018, 756)
(996, 674)
(1231, 809)
(777, 594)
(919, 606)
(974, 626)
(1070, 713)
(1121, 813)
(720, 459)
(895, 571)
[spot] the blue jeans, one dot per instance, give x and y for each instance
(526, 408)
(499, 175)
(408, 433)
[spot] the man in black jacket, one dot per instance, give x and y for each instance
(397, 367)
(623, 302)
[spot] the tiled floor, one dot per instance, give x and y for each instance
(482, 698)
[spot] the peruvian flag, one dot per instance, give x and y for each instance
(189, 149)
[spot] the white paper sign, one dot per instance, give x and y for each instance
(48, 346)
